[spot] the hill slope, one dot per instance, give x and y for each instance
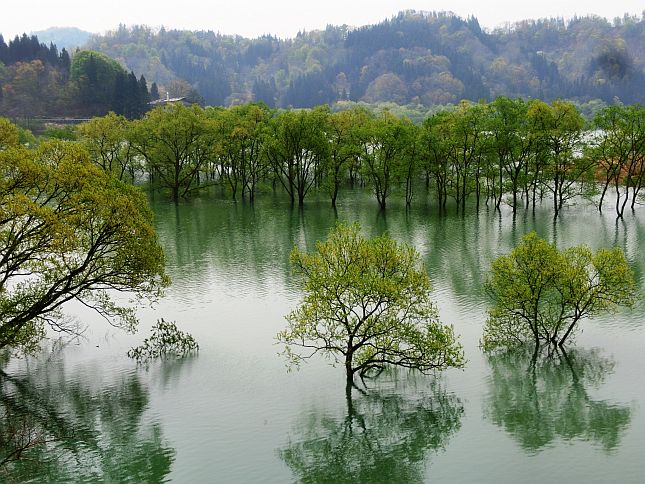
(63, 37)
(415, 57)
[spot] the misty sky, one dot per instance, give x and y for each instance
(283, 18)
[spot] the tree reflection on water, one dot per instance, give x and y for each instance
(540, 399)
(55, 429)
(384, 436)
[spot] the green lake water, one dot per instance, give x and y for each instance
(233, 413)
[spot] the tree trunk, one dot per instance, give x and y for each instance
(348, 368)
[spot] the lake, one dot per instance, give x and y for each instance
(234, 413)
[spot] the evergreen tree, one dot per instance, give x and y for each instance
(89, 92)
(52, 55)
(4, 51)
(265, 91)
(132, 96)
(65, 63)
(154, 92)
(144, 97)
(118, 97)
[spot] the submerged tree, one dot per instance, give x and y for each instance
(297, 149)
(367, 305)
(240, 146)
(557, 130)
(385, 143)
(541, 294)
(434, 147)
(175, 143)
(620, 153)
(166, 340)
(511, 148)
(344, 148)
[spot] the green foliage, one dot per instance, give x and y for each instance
(68, 231)
(96, 76)
(619, 152)
(367, 306)
(540, 294)
(9, 134)
(35, 80)
(413, 62)
(433, 146)
(94, 67)
(67, 133)
(26, 137)
(558, 131)
(505, 152)
(297, 147)
(175, 143)
(240, 142)
(166, 340)
(385, 141)
(417, 113)
(465, 141)
(512, 146)
(345, 150)
(107, 140)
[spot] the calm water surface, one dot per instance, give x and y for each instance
(235, 414)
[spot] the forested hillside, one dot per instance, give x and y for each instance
(36, 80)
(417, 60)
(413, 58)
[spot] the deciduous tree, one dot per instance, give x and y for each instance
(174, 141)
(620, 153)
(298, 148)
(107, 141)
(540, 294)
(70, 232)
(366, 306)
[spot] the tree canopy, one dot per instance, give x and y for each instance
(69, 231)
(507, 152)
(367, 306)
(540, 294)
(173, 140)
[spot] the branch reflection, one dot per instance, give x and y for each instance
(68, 429)
(385, 435)
(540, 399)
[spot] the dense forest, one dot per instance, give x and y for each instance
(413, 58)
(37, 80)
